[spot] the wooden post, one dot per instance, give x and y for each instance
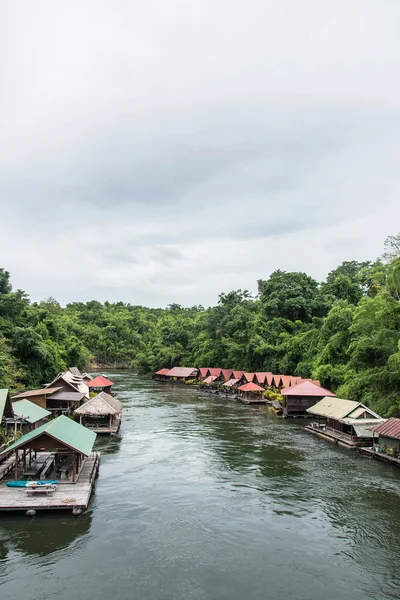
(24, 460)
(80, 419)
(110, 419)
(16, 464)
(74, 469)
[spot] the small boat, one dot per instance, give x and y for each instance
(31, 483)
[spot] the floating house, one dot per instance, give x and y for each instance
(249, 377)
(38, 397)
(38, 467)
(227, 374)
(300, 397)
(344, 422)
(100, 384)
(231, 385)
(204, 372)
(386, 440)
(251, 393)
(101, 414)
(64, 402)
(70, 382)
(28, 416)
(161, 375)
(182, 373)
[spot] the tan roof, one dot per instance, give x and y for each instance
(102, 404)
(41, 392)
(74, 381)
(339, 409)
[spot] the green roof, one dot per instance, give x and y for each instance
(32, 413)
(64, 430)
(4, 395)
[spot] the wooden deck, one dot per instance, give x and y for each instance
(336, 437)
(67, 496)
(380, 456)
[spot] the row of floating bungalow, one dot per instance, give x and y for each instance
(48, 462)
(344, 422)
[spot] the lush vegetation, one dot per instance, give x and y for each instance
(344, 331)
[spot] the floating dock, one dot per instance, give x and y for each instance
(67, 496)
(380, 456)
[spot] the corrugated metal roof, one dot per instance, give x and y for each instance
(306, 388)
(249, 376)
(99, 382)
(40, 392)
(67, 396)
(182, 372)
(162, 372)
(76, 383)
(30, 412)
(391, 428)
(215, 372)
(363, 427)
(204, 371)
(210, 379)
(64, 430)
(227, 374)
(342, 410)
(231, 382)
(251, 387)
(5, 404)
(75, 371)
(102, 404)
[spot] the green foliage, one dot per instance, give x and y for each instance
(344, 332)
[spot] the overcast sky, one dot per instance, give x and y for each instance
(166, 151)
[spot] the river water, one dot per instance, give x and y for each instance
(202, 498)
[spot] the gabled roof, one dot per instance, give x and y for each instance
(286, 380)
(75, 371)
(6, 409)
(182, 372)
(251, 387)
(306, 388)
(31, 393)
(162, 372)
(270, 378)
(277, 381)
(227, 374)
(391, 428)
(99, 382)
(63, 430)
(215, 372)
(249, 376)
(238, 374)
(210, 379)
(342, 410)
(76, 383)
(30, 412)
(102, 404)
(261, 377)
(231, 382)
(204, 372)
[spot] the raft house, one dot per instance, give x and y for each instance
(385, 442)
(28, 416)
(251, 393)
(101, 414)
(182, 374)
(300, 397)
(50, 468)
(100, 384)
(343, 422)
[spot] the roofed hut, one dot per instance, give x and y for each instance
(64, 402)
(251, 393)
(161, 375)
(100, 384)
(70, 382)
(204, 372)
(28, 416)
(231, 386)
(101, 414)
(227, 374)
(182, 373)
(386, 436)
(298, 398)
(344, 422)
(38, 397)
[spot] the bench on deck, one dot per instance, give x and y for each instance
(46, 488)
(48, 465)
(65, 467)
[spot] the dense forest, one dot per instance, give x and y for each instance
(344, 332)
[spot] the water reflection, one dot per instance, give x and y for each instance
(43, 534)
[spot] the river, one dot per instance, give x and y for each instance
(202, 498)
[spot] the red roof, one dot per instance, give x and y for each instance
(182, 372)
(99, 382)
(261, 377)
(227, 374)
(204, 372)
(162, 372)
(251, 387)
(249, 376)
(231, 382)
(277, 380)
(210, 379)
(215, 372)
(270, 378)
(390, 428)
(238, 374)
(307, 388)
(286, 380)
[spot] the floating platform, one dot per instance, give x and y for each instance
(380, 456)
(67, 496)
(333, 436)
